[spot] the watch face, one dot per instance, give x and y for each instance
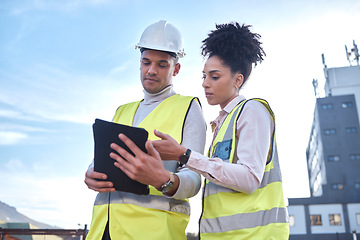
(183, 159)
(168, 187)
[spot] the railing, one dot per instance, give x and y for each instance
(81, 233)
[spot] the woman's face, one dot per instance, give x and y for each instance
(220, 85)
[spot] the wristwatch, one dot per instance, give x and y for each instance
(184, 158)
(166, 187)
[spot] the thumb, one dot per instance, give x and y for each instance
(151, 150)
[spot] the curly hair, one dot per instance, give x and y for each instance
(236, 46)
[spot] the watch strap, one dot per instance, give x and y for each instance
(184, 158)
(167, 186)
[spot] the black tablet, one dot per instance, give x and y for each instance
(106, 133)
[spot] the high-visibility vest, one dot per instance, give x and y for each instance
(153, 216)
(233, 215)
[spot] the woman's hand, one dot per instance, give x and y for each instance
(167, 147)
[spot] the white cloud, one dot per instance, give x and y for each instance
(61, 6)
(10, 114)
(62, 202)
(17, 115)
(14, 165)
(10, 137)
(21, 128)
(48, 92)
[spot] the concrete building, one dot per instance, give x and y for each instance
(333, 160)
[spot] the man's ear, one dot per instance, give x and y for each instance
(176, 69)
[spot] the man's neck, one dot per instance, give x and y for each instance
(150, 98)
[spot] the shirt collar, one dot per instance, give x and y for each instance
(230, 106)
(225, 111)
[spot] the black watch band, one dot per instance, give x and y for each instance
(184, 158)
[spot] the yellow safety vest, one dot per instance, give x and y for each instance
(152, 216)
(232, 215)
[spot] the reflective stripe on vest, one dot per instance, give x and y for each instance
(231, 212)
(244, 220)
(133, 216)
(148, 201)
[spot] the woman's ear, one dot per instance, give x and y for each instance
(239, 80)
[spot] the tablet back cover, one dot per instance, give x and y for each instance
(106, 133)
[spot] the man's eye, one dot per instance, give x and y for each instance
(163, 65)
(145, 63)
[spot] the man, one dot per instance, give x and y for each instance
(165, 212)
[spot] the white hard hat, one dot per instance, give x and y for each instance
(162, 36)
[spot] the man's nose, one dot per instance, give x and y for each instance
(152, 69)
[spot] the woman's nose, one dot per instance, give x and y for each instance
(205, 83)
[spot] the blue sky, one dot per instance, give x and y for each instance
(64, 63)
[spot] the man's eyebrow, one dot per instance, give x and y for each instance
(161, 61)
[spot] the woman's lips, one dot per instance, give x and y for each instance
(208, 94)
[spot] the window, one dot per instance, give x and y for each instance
(327, 106)
(334, 219)
(315, 163)
(358, 219)
(316, 220)
(355, 156)
(351, 130)
(330, 131)
(291, 220)
(333, 158)
(337, 186)
(316, 187)
(347, 105)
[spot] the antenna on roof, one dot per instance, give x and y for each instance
(323, 60)
(348, 54)
(354, 51)
(316, 89)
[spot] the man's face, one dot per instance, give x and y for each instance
(156, 70)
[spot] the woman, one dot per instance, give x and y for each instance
(243, 196)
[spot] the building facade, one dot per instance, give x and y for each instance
(333, 160)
